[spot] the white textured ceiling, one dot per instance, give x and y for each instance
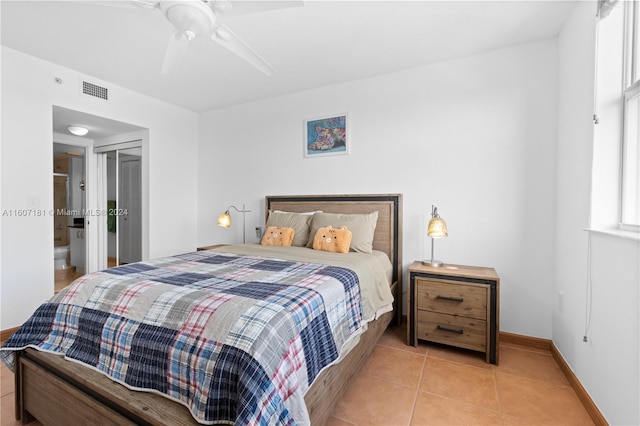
(313, 45)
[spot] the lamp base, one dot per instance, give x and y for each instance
(432, 262)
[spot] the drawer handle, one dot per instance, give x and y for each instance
(453, 299)
(450, 330)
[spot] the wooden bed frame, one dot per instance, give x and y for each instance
(55, 391)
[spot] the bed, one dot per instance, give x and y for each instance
(48, 384)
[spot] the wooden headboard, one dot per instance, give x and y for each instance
(388, 234)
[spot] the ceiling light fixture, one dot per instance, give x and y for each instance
(77, 130)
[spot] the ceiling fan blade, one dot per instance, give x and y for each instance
(220, 6)
(250, 7)
(175, 51)
(146, 4)
(227, 38)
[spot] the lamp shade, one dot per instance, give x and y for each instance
(437, 228)
(224, 219)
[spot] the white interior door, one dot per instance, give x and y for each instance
(122, 193)
(129, 212)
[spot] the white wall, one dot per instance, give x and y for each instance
(28, 94)
(474, 136)
(608, 364)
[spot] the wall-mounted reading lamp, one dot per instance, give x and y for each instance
(225, 220)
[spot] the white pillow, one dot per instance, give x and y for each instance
(362, 227)
(300, 222)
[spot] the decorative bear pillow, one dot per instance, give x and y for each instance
(333, 240)
(277, 236)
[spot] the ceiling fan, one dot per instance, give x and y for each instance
(198, 18)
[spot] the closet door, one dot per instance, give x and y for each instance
(122, 198)
(130, 211)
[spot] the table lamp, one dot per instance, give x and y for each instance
(437, 228)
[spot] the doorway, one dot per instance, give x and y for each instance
(107, 135)
(69, 205)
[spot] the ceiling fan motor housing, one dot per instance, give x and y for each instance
(191, 17)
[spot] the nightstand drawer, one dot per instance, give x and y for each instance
(469, 333)
(455, 299)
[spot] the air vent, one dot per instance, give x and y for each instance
(95, 90)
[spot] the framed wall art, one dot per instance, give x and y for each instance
(324, 136)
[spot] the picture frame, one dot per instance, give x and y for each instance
(326, 136)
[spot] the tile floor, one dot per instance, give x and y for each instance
(438, 385)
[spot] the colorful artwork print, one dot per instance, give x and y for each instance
(326, 136)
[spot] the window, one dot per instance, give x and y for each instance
(630, 180)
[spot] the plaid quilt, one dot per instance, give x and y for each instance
(237, 339)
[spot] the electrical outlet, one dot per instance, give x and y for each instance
(258, 231)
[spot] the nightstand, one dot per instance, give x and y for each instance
(210, 247)
(455, 305)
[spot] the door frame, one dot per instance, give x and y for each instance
(137, 139)
(90, 264)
